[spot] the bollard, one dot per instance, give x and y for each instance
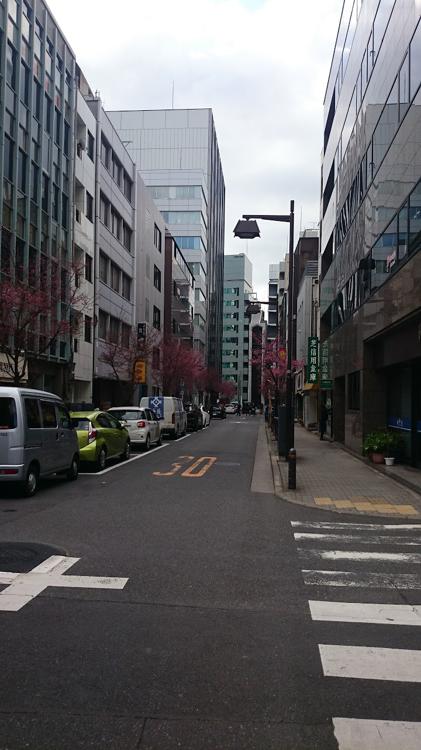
(292, 469)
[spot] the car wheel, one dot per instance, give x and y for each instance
(102, 459)
(31, 482)
(148, 442)
(73, 472)
(126, 453)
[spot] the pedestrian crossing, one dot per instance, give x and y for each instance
(374, 561)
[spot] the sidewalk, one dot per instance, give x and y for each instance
(330, 477)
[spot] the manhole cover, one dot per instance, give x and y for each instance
(20, 557)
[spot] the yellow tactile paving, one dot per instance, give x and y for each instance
(363, 506)
(323, 500)
(343, 504)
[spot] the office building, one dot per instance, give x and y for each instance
(177, 155)
(179, 294)
(370, 304)
(236, 341)
(115, 255)
(276, 293)
(36, 182)
(306, 327)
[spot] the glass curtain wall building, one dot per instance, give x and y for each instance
(176, 152)
(370, 303)
(37, 110)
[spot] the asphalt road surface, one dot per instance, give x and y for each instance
(178, 609)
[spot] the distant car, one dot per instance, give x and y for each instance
(194, 417)
(231, 408)
(101, 436)
(218, 412)
(205, 416)
(142, 424)
(170, 412)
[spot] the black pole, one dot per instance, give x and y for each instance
(289, 378)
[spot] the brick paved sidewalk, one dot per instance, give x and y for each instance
(329, 477)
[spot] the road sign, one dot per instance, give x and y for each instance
(140, 371)
(141, 331)
(24, 587)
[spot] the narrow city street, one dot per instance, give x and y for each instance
(177, 608)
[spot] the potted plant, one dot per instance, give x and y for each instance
(381, 443)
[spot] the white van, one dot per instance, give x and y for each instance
(36, 438)
(170, 412)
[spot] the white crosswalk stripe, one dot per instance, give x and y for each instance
(345, 550)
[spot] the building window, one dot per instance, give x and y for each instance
(156, 322)
(115, 277)
(89, 207)
(157, 238)
(155, 358)
(114, 329)
(103, 268)
(157, 278)
(88, 267)
(105, 153)
(127, 236)
(102, 324)
(90, 150)
(104, 210)
(126, 286)
(125, 335)
(354, 391)
(127, 187)
(88, 329)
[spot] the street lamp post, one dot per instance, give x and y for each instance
(247, 228)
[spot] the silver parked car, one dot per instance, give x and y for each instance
(142, 424)
(37, 438)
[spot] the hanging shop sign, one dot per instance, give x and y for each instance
(325, 371)
(313, 360)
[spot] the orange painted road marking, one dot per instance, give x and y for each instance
(191, 471)
(176, 467)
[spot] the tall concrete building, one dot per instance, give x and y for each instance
(176, 152)
(370, 264)
(276, 293)
(236, 341)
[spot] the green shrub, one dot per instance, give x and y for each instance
(382, 441)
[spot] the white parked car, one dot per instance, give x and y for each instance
(231, 408)
(170, 412)
(205, 416)
(142, 424)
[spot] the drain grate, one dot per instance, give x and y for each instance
(20, 557)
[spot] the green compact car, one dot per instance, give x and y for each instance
(101, 436)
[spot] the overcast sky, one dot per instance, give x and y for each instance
(261, 65)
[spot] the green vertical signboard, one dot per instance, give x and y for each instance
(313, 360)
(325, 374)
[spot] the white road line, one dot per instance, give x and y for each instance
(122, 463)
(357, 526)
(413, 558)
(364, 663)
(183, 438)
(26, 586)
(373, 734)
(377, 614)
(361, 580)
(404, 541)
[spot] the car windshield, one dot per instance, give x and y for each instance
(126, 414)
(80, 423)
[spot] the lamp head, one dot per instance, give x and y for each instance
(246, 229)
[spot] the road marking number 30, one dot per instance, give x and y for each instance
(198, 468)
